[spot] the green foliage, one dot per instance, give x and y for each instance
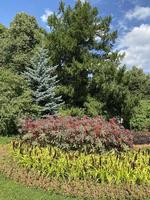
(141, 117)
(15, 101)
(80, 112)
(137, 81)
(73, 37)
(80, 43)
(2, 30)
(5, 140)
(109, 168)
(93, 107)
(18, 42)
(147, 86)
(114, 90)
(43, 82)
(137, 104)
(109, 87)
(105, 93)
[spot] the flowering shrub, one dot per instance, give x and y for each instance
(70, 133)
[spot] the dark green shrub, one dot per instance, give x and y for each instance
(15, 101)
(73, 111)
(141, 117)
(93, 107)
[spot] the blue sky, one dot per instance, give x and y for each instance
(130, 17)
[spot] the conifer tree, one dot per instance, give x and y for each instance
(78, 37)
(43, 83)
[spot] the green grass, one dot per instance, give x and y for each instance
(9, 190)
(5, 140)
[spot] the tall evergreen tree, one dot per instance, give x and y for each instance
(81, 43)
(43, 83)
(79, 35)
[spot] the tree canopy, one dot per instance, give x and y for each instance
(18, 42)
(15, 101)
(78, 36)
(80, 43)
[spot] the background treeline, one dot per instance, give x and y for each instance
(91, 79)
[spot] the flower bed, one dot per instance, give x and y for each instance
(80, 188)
(110, 168)
(70, 133)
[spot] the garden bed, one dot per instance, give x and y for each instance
(141, 138)
(81, 189)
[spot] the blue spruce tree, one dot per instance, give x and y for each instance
(43, 82)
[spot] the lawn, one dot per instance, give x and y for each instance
(5, 140)
(9, 190)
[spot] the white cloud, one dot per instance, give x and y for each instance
(139, 13)
(136, 45)
(45, 16)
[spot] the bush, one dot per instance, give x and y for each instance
(15, 101)
(93, 107)
(73, 111)
(109, 167)
(141, 117)
(70, 133)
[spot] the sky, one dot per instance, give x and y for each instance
(130, 17)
